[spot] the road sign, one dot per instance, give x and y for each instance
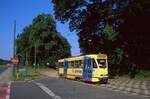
(15, 61)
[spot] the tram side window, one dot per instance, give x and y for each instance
(71, 64)
(80, 64)
(76, 64)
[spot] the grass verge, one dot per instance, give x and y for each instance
(143, 75)
(29, 74)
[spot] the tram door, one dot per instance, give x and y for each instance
(87, 69)
(65, 68)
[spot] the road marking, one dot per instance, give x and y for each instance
(48, 91)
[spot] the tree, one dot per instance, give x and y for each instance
(42, 35)
(106, 25)
(88, 18)
(134, 31)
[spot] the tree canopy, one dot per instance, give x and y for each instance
(110, 26)
(87, 18)
(43, 37)
(3, 62)
(134, 31)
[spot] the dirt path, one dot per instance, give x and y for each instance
(49, 72)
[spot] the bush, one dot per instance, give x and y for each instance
(143, 74)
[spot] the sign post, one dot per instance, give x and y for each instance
(15, 61)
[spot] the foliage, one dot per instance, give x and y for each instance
(30, 74)
(143, 75)
(117, 56)
(95, 22)
(110, 33)
(41, 36)
(106, 25)
(87, 18)
(3, 62)
(135, 31)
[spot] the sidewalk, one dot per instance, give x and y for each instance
(129, 86)
(6, 75)
(5, 79)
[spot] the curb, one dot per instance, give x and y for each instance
(6, 93)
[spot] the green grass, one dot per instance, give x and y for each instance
(1, 65)
(143, 75)
(30, 74)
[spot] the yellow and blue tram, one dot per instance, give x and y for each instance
(91, 68)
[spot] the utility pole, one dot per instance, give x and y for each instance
(26, 62)
(35, 54)
(14, 51)
(14, 46)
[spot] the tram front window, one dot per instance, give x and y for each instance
(102, 63)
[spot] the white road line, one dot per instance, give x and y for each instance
(48, 91)
(8, 91)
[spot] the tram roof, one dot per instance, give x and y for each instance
(102, 56)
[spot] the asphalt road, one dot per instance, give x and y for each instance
(66, 89)
(27, 91)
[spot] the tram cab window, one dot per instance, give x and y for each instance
(101, 63)
(94, 64)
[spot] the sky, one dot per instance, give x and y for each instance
(23, 11)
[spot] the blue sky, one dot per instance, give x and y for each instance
(23, 11)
